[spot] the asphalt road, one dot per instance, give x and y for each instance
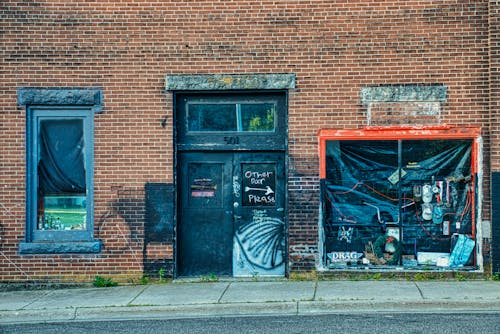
(441, 323)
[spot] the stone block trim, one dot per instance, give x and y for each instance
(392, 105)
(229, 81)
(403, 93)
(60, 96)
(404, 113)
(90, 247)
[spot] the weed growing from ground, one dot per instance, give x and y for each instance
(161, 275)
(210, 278)
(101, 282)
(144, 280)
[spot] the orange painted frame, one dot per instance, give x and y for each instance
(405, 133)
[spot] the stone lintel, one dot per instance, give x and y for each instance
(30, 96)
(200, 82)
(404, 93)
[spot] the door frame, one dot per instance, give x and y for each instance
(178, 148)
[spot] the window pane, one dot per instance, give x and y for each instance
(212, 117)
(257, 117)
(390, 203)
(373, 162)
(61, 175)
(63, 213)
(61, 158)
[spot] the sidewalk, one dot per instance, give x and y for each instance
(180, 299)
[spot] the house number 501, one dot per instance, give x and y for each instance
(232, 140)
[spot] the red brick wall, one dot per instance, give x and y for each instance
(127, 47)
(494, 17)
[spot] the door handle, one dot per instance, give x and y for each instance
(237, 218)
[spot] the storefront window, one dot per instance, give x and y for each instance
(399, 203)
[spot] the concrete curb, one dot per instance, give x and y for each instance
(115, 313)
(36, 316)
(363, 306)
(190, 300)
(148, 312)
(191, 311)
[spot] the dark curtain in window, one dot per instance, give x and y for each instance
(61, 167)
(372, 162)
(363, 176)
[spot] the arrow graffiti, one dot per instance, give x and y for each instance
(267, 190)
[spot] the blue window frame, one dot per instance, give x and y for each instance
(59, 172)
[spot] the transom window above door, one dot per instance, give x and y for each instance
(231, 120)
(231, 117)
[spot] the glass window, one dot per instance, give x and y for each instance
(257, 117)
(212, 117)
(61, 174)
(60, 192)
(235, 117)
(398, 202)
(59, 169)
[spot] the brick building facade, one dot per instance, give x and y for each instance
(140, 79)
